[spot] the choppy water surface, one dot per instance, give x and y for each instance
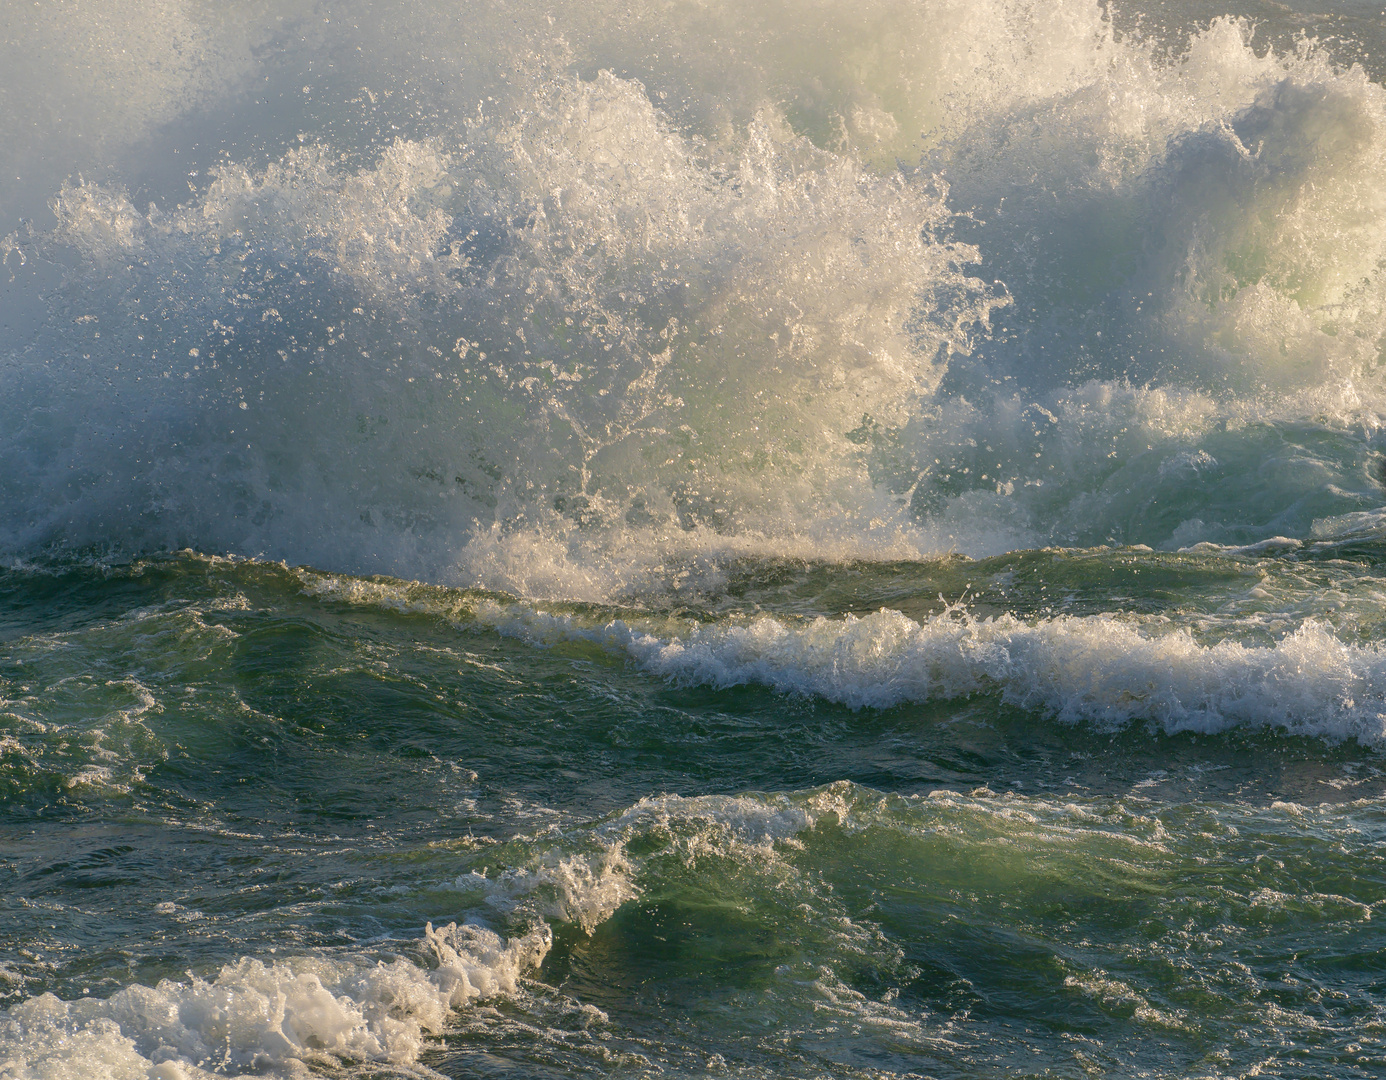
(789, 539)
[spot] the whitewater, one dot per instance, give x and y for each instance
(779, 539)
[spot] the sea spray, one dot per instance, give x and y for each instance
(1051, 285)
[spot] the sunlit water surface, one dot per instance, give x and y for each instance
(790, 539)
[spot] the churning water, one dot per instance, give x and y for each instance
(787, 538)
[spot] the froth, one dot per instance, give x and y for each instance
(264, 1017)
(575, 320)
(1106, 670)
(1109, 670)
(581, 889)
(955, 277)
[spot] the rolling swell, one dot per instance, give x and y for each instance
(913, 920)
(238, 793)
(1205, 673)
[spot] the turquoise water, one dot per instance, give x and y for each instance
(798, 539)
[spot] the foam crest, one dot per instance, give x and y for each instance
(1105, 670)
(1106, 462)
(265, 1017)
(1109, 670)
(581, 889)
(722, 824)
(1192, 351)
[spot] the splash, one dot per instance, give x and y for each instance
(264, 1017)
(516, 300)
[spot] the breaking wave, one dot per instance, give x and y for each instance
(254, 1016)
(1109, 670)
(531, 308)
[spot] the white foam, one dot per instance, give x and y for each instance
(1274, 545)
(582, 889)
(708, 326)
(1105, 669)
(724, 824)
(598, 407)
(574, 326)
(1109, 670)
(265, 1017)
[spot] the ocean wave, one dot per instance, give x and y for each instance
(1020, 280)
(1108, 669)
(868, 881)
(257, 1017)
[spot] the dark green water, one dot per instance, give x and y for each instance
(207, 759)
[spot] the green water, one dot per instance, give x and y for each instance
(207, 759)
(879, 515)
